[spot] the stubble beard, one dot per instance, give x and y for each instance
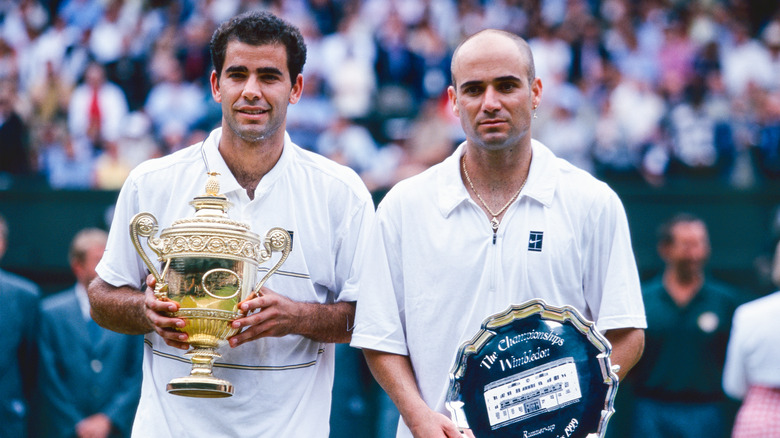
(249, 135)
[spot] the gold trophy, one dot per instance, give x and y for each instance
(210, 263)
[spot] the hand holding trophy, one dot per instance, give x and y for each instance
(209, 266)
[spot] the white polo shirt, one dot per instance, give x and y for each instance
(282, 385)
(432, 273)
(753, 356)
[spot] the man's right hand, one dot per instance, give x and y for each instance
(157, 312)
(431, 424)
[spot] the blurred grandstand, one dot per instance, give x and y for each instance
(664, 99)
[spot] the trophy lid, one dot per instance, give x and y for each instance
(210, 232)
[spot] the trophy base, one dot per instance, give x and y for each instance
(201, 387)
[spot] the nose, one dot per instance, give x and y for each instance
(491, 102)
(252, 89)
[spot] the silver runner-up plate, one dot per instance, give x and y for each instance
(534, 371)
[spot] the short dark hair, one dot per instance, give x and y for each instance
(664, 232)
(259, 28)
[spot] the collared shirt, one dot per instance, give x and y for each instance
(753, 355)
(433, 273)
(282, 385)
(83, 300)
(685, 347)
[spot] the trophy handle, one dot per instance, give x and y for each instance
(145, 224)
(277, 239)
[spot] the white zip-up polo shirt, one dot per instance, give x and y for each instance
(282, 385)
(433, 273)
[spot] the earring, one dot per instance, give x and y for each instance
(535, 111)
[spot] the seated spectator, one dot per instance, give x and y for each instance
(702, 144)
(768, 142)
(348, 143)
(65, 165)
(97, 108)
(174, 100)
(14, 139)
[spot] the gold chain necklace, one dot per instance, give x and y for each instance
(493, 222)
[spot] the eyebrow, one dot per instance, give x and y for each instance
(261, 70)
(498, 79)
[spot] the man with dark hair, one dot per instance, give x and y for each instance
(282, 362)
(678, 381)
(18, 365)
(500, 222)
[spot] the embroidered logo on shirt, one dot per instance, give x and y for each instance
(535, 241)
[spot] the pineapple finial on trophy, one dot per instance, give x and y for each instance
(212, 184)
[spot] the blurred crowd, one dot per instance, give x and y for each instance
(644, 90)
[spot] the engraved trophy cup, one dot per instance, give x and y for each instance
(209, 266)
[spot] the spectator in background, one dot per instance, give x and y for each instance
(15, 155)
(771, 38)
(97, 109)
(111, 168)
(752, 370)
(90, 378)
(702, 144)
(310, 117)
(678, 381)
(83, 14)
(348, 143)
(49, 98)
(348, 58)
(767, 146)
(569, 129)
(64, 164)
(173, 101)
(746, 63)
(399, 70)
(628, 139)
(137, 144)
(18, 364)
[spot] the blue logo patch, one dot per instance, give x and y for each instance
(535, 241)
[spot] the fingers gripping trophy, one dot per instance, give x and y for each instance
(209, 267)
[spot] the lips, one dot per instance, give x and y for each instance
(492, 122)
(252, 111)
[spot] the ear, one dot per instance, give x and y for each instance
(451, 94)
(215, 86)
(297, 90)
(536, 92)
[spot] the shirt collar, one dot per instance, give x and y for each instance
(542, 179)
(227, 181)
(83, 299)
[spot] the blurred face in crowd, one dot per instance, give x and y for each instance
(688, 250)
(254, 89)
(84, 267)
(492, 92)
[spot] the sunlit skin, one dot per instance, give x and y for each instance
(685, 257)
(254, 90)
(689, 249)
(495, 102)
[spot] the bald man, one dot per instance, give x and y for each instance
(499, 222)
